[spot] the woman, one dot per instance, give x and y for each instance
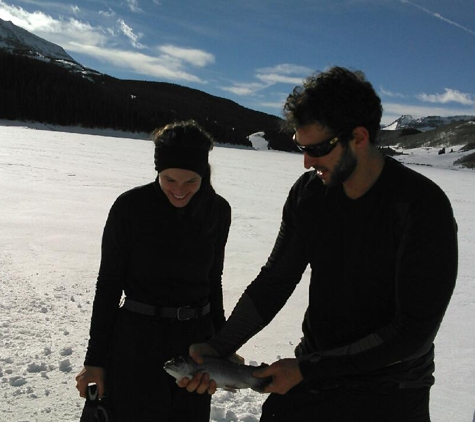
(163, 248)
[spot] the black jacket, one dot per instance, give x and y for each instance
(383, 271)
(160, 255)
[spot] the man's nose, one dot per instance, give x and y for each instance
(309, 162)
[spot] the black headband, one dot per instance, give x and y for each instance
(193, 159)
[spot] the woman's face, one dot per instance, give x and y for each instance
(179, 185)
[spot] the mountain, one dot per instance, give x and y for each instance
(20, 41)
(424, 124)
(39, 81)
(454, 134)
(458, 136)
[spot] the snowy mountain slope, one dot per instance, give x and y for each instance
(20, 41)
(16, 40)
(425, 123)
(458, 133)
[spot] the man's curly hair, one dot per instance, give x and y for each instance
(339, 99)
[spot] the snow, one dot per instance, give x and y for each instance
(56, 188)
(258, 141)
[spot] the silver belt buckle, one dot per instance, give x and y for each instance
(178, 317)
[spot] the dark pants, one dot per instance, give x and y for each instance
(137, 387)
(349, 405)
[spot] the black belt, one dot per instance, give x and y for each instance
(183, 313)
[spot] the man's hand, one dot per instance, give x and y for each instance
(198, 350)
(200, 382)
(90, 375)
(285, 374)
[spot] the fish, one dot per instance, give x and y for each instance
(228, 375)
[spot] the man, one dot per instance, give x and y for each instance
(381, 242)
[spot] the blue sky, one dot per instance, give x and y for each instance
(419, 55)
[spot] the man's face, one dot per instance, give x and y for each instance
(335, 167)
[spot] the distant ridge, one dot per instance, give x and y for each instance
(424, 124)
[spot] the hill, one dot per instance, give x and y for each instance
(456, 136)
(39, 81)
(457, 133)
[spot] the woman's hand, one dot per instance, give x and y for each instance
(90, 375)
(200, 382)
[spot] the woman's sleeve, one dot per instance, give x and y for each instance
(216, 272)
(109, 287)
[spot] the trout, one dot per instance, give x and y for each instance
(228, 375)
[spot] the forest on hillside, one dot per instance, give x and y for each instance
(34, 90)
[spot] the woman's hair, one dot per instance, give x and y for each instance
(184, 134)
(185, 145)
(339, 99)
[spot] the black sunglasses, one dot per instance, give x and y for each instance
(321, 149)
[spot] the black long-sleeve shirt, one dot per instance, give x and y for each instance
(383, 270)
(160, 255)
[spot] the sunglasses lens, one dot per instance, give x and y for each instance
(318, 150)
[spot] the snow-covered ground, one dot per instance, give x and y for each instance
(55, 192)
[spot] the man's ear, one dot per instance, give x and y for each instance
(361, 136)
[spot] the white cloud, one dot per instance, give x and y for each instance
(394, 110)
(140, 63)
(20, 17)
(449, 96)
(386, 93)
(54, 30)
(75, 9)
(129, 33)
(398, 109)
(133, 5)
(287, 69)
(244, 89)
(192, 56)
(104, 44)
(107, 13)
(285, 73)
(274, 78)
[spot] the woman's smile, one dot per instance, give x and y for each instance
(179, 185)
